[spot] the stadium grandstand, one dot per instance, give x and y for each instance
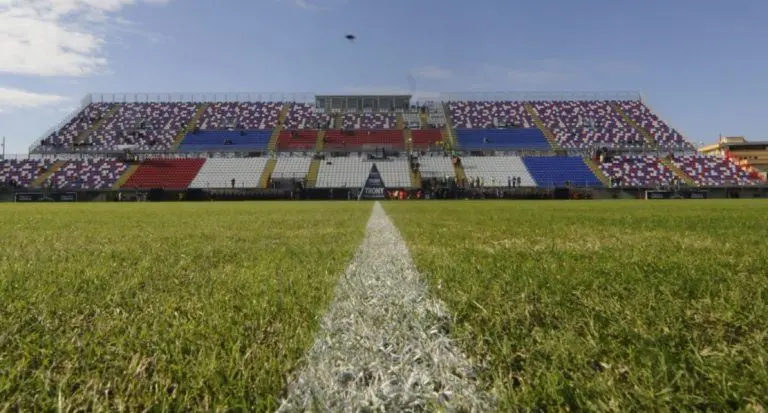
(250, 146)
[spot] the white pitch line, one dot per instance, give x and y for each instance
(383, 344)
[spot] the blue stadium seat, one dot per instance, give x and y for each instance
(255, 140)
(549, 171)
(502, 139)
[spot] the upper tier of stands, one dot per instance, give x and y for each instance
(224, 140)
(369, 140)
(501, 139)
(240, 115)
(574, 124)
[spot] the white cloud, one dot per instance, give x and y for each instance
(56, 37)
(21, 99)
(433, 72)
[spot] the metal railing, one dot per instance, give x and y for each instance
(539, 96)
(203, 97)
(84, 102)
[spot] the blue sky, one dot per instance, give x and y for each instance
(701, 64)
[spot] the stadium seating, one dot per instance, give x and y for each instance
(304, 116)
(477, 115)
(219, 172)
(84, 120)
(637, 171)
(165, 173)
(370, 120)
(363, 140)
(555, 171)
(240, 115)
(87, 174)
(297, 140)
(585, 124)
(437, 166)
(295, 167)
(665, 136)
(425, 138)
(251, 140)
(714, 171)
(412, 120)
(21, 173)
(146, 125)
(352, 172)
(501, 139)
(496, 171)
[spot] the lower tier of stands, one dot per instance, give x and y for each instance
(497, 171)
(637, 171)
(165, 173)
(352, 171)
(555, 171)
(90, 174)
(711, 171)
(22, 173)
(230, 173)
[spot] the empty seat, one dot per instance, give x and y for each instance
(223, 140)
(501, 139)
(165, 173)
(555, 171)
(219, 173)
(495, 171)
(352, 172)
(295, 167)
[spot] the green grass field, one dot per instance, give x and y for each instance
(625, 306)
(176, 306)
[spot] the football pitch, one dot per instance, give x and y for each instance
(612, 305)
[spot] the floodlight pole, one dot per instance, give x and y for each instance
(3, 145)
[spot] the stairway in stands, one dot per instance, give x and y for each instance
(40, 180)
(408, 138)
(449, 137)
(592, 164)
(314, 168)
(189, 126)
(399, 121)
(266, 174)
(629, 121)
(459, 170)
(165, 173)
(272, 145)
(83, 136)
(338, 120)
(320, 140)
(677, 171)
(125, 176)
(424, 120)
(540, 124)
